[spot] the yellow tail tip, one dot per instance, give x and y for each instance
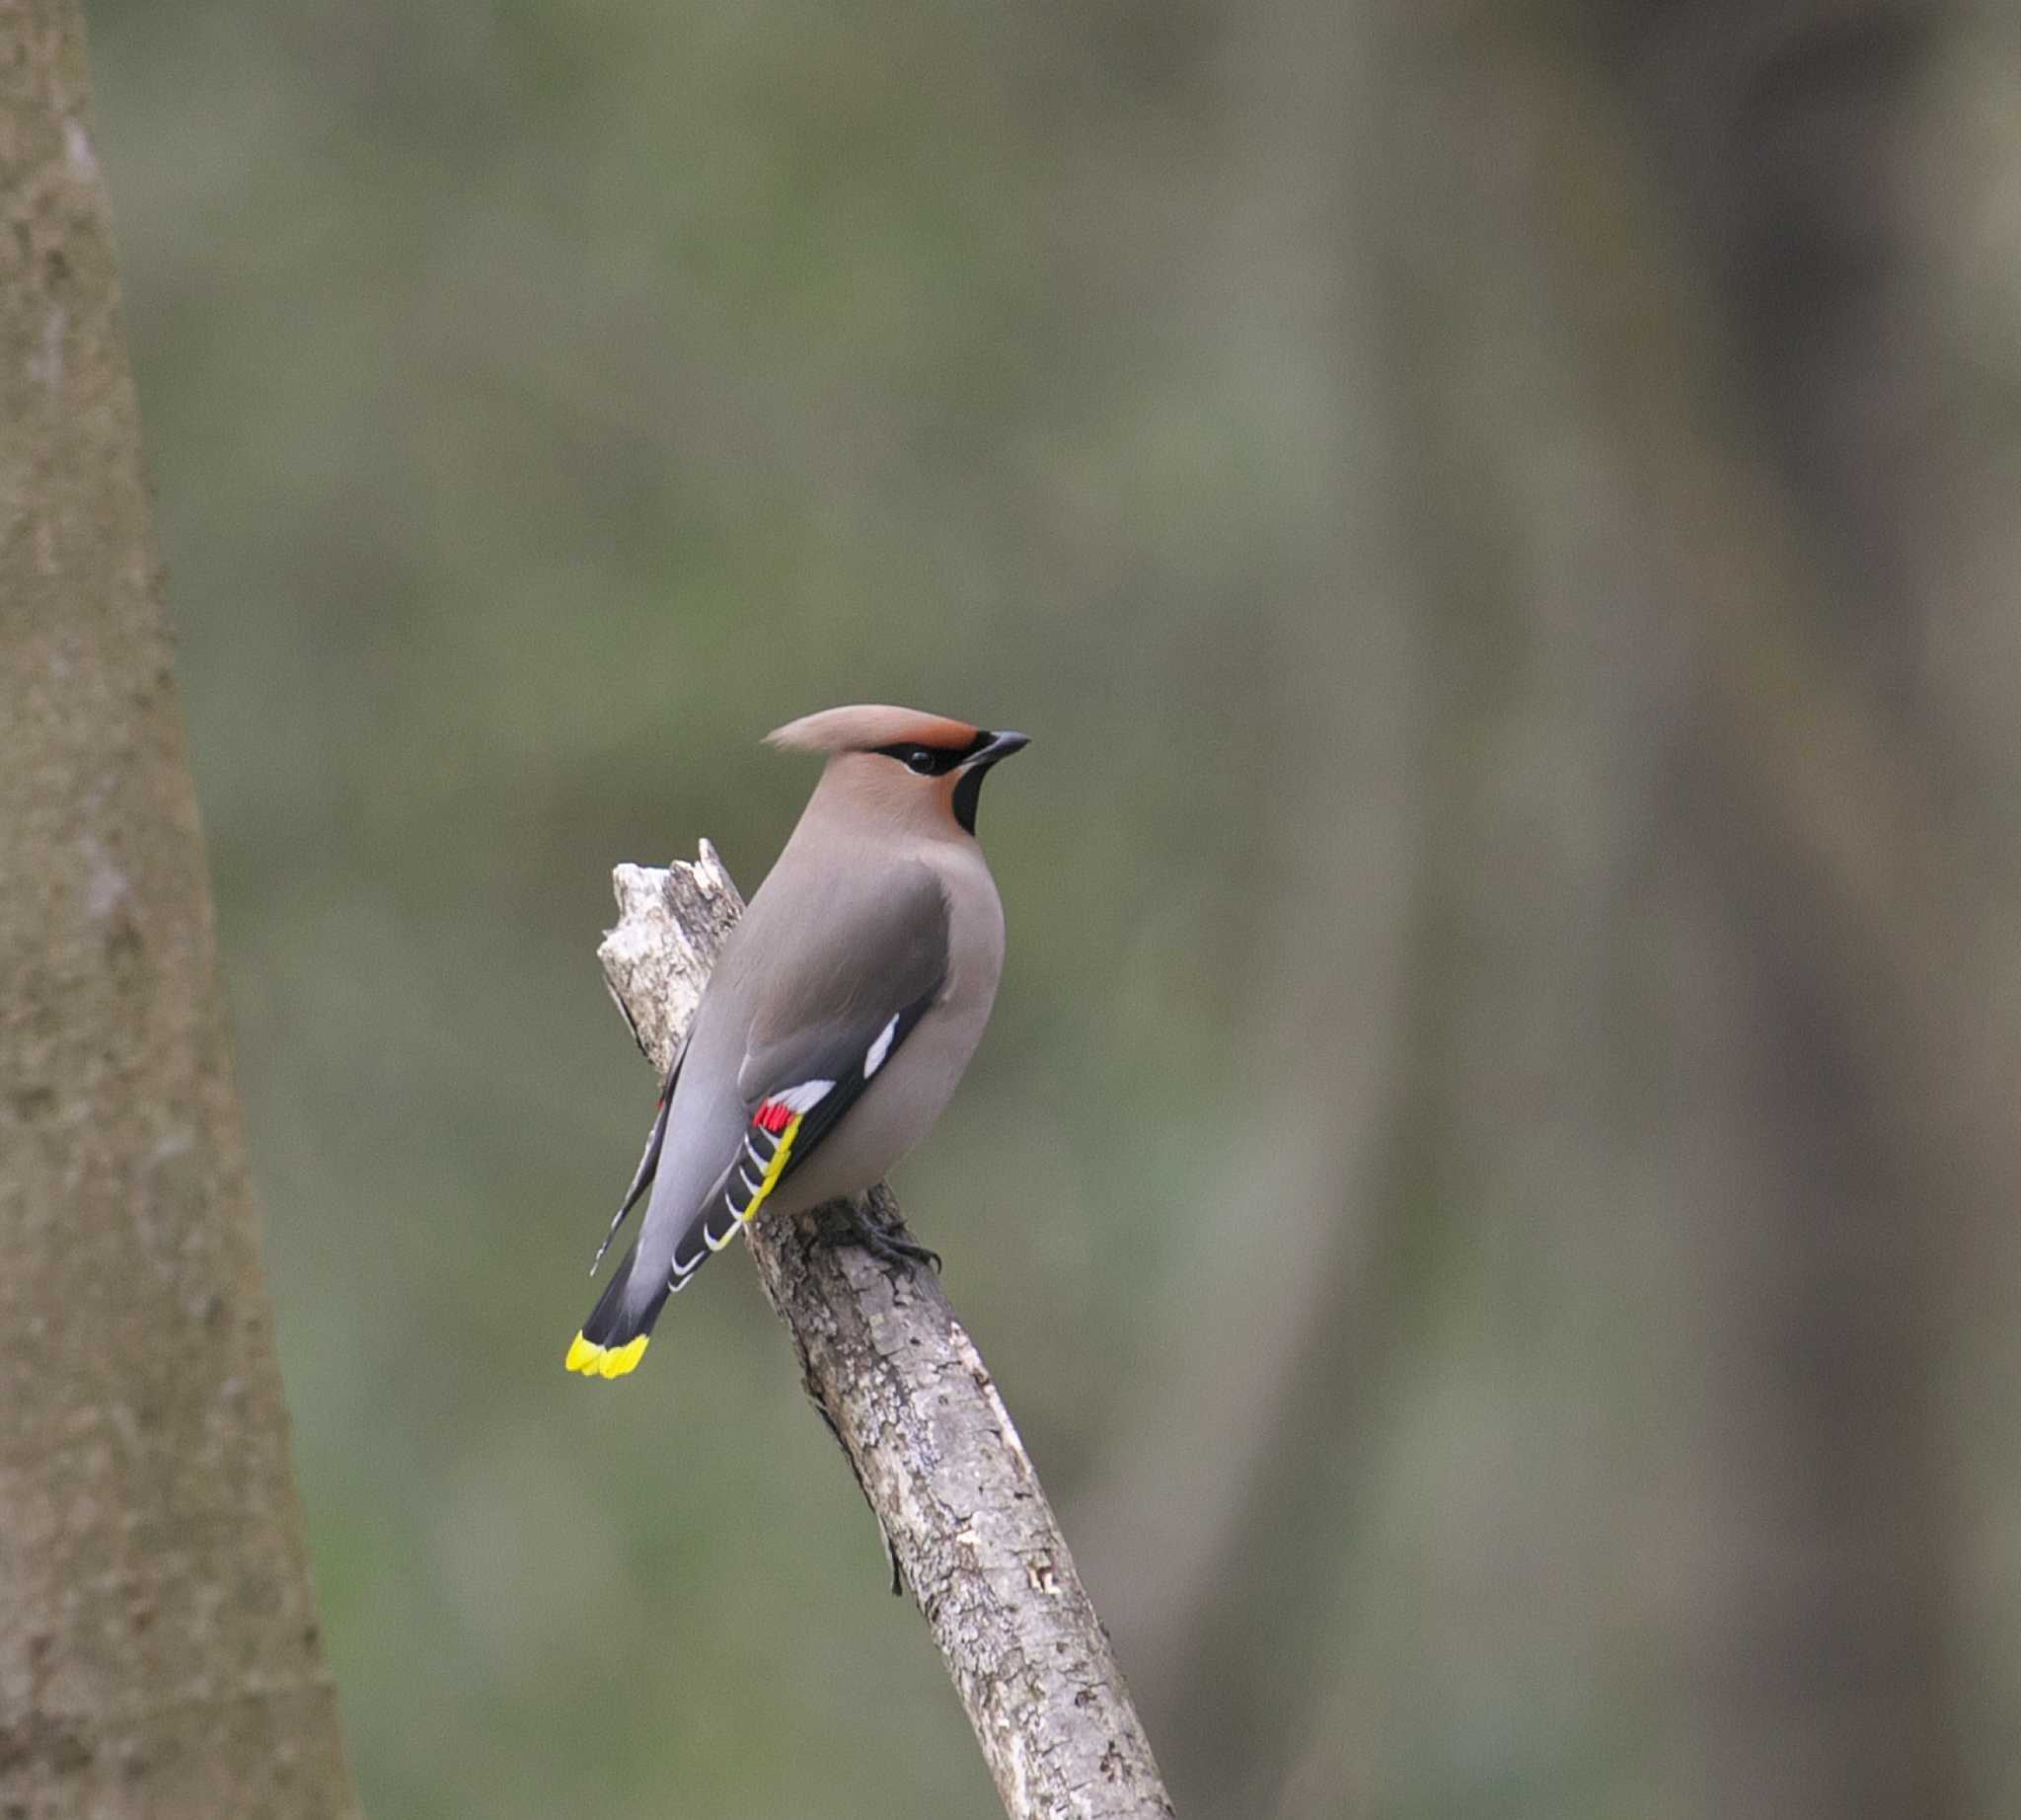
(594, 1361)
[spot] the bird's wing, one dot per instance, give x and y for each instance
(820, 1033)
(649, 1163)
(847, 974)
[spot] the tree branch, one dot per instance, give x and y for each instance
(900, 1382)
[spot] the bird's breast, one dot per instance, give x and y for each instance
(975, 928)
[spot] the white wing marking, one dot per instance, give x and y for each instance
(879, 1049)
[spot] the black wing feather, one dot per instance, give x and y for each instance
(649, 1164)
(742, 1187)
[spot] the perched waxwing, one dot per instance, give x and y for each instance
(840, 1017)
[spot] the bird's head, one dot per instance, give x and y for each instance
(905, 763)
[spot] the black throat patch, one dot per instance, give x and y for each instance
(967, 793)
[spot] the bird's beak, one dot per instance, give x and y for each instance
(1001, 745)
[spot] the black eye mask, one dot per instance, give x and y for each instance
(933, 761)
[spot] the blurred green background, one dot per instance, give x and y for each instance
(1491, 1183)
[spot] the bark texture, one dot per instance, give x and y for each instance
(901, 1384)
(159, 1652)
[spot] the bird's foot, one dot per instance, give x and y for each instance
(892, 1246)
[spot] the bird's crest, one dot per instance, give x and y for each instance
(866, 728)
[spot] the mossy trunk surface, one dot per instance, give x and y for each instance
(159, 1651)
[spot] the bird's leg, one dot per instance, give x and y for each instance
(845, 1222)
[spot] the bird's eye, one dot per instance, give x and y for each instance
(920, 759)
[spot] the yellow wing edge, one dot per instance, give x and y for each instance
(591, 1360)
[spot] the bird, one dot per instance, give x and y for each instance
(840, 1017)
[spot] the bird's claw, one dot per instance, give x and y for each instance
(892, 1248)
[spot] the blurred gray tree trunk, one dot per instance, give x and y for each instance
(1792, 145)
(159, 1651)
(1701, 928)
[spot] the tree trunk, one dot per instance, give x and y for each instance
(159, 1651)
(1708, 1009)
(1787, 135)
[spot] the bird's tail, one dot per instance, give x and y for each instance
(613, 1339)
